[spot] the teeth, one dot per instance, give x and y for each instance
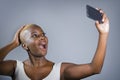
(41, 46)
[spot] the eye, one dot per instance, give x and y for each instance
(34, 35)
(43, 34)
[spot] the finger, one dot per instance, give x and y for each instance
(96, 23)
(106, 20)
(100, 10)
(21, 28)
(104, 17)
(97, 8)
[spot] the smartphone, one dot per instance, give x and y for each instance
(93, 13)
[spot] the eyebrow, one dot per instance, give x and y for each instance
(34, 32)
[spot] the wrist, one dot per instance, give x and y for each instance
(104, 34)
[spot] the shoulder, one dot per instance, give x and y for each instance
(65, 66)
(9, 63)
(7, 67)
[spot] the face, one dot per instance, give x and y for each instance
(35, 41)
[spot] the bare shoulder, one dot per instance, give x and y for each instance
(7, 67)
(65, 66)
(72, 71)
(8, 62)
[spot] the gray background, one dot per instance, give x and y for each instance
(72, 36)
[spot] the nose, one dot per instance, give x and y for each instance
(42, 38)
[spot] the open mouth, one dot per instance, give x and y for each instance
(43, 46)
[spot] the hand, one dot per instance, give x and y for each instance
(16, 39)
(103, 28)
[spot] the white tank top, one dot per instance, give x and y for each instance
(21, 75)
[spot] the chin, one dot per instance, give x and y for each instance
(43, 54)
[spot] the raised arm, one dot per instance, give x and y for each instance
(7, 67)
(103, 30)
(77, 71)
(6, 49)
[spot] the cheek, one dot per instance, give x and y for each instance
(33, 48)
(46, 39)
(31, 45)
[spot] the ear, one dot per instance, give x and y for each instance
(25, 46)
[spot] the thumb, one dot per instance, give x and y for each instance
(96, 23)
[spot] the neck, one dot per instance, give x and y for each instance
(37, 61)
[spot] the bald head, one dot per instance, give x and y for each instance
(24, 34)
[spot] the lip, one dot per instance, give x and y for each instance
(43, 46)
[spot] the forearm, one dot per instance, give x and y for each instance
(5, 50)
(100, 53)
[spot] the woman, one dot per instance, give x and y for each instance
(37, 67)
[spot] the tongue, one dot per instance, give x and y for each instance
(41, 46)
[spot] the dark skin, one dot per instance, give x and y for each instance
(34, 41)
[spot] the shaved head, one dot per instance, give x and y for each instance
(25, 32)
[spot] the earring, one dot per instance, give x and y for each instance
(25, 47)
